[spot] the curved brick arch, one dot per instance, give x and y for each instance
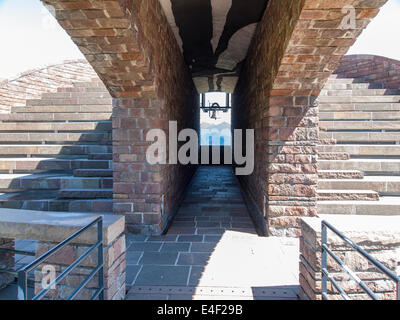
(132, 48)
(297, 46)
(375, 69)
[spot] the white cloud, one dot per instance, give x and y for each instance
(381, 37)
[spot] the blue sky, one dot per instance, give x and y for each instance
(31, 38)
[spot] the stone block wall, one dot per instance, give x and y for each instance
(297, 45)
(382, 245)
(114, 255)
(6, 262)
(375, 69)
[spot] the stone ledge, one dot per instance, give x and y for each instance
(57, 226)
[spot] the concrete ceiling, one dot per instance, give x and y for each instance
(214, 36)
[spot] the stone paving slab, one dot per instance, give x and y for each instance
(212, 250)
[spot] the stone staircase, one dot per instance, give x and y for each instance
(359, 154)
(56, 151)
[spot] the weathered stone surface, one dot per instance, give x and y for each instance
(379, 236)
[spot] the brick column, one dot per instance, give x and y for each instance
(6, 262)
(137, 184)
(292, 138)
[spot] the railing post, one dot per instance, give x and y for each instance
(324, 262)
(100, 258)
(22, 286)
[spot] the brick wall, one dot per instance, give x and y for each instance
(297, 46)
(31, 84)
(138, 186)
(374, 69)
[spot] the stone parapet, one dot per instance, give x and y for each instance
(6, 261)
(379, 236)
(50, 228)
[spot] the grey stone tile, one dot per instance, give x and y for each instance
(145, 246)
(195, 275)
(176, 247)
(164, 238)
(132, 257)
(211, 230)
(212, 238)
(181, 230)
(131, 273)
(159, 258)
(190, 238)
(193, 259)
(163, 276)
(203, 247)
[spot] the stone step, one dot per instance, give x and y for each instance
(99, 93)
(356, 92)
(45, 117)
(385, 185)
(333, 156)
(63, 109)
(82, 90)
(359, 125)
(10, 183)
(100, 156)
(368, 166)
(47, 201)
(362, 150)
(53, 150)
(56, 126)
(334, 80)
(335, 85)
(85, 193)
(360, 107)
(360, 195)
(361, 136)
(99, 137)
(50, 164)
(69, 101)
(92, 84)
(93, 173)
(386, 206)
(348, 115)
(340, 174)
(359, 99)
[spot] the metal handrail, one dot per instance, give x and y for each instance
(23, 273)
(326, 276)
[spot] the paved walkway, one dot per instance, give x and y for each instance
(212, 250)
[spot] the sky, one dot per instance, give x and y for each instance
(381, 37)
(31, 38)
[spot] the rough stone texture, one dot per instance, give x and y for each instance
(374, 234)
(50, 229)
(33, 83)
(375, 69)
(288, 63)
(114, 270)
(6, 261)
